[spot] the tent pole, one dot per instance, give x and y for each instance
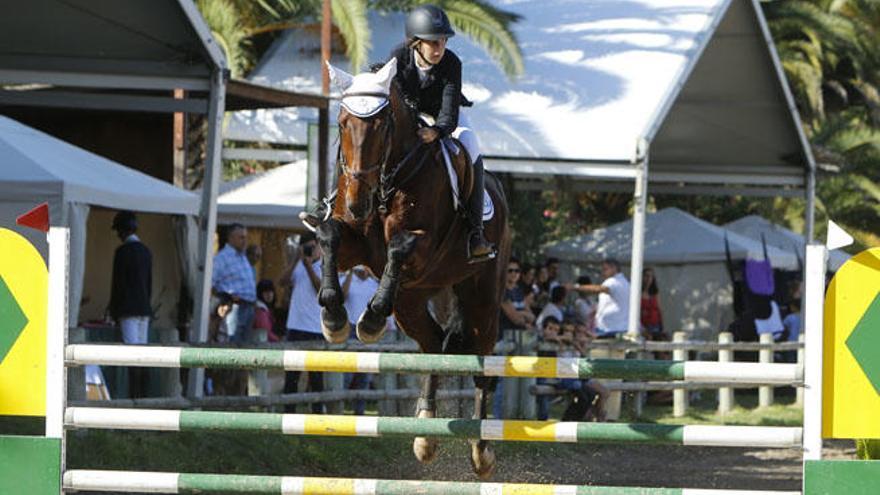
(207, 224)
(640, 203)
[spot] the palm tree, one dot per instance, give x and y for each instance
(485, 24)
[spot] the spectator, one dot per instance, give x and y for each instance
(515, 315)
(358, 288)
(612, 317)
(651, 317)
(583, 308)
(552, 265)
(264, 314)
(793, 328)
(234, 275)
(254, 254)
(304, 315)
(612, 312)
(555, 307)
(220, 381)
(527, 279)
(130, 293)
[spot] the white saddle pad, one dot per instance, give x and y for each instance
(448, 147)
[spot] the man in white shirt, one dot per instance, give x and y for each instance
(358, 287)
(612, 311)
(304, 315)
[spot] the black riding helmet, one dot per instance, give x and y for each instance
(428, 22)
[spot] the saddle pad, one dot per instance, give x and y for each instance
(448, 147)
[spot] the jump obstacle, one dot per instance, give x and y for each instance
(370, 362)
(59, 417)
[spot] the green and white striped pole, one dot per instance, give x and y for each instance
(443, 364)
(488, 429)
(186, 483)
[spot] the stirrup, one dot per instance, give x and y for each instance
(312, 220)
(493, 251)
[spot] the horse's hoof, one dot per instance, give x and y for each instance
(425, 449)
(367, 332)
(483, 462)
(336, 336)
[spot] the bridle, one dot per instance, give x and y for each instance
(387, 183)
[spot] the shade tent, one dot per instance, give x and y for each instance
(689, 259)
(269, 199)
(672, 236)
(38, 167)
(757, 227)
(695, 78)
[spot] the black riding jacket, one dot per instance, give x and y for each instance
(439, 95)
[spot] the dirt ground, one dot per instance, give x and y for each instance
(610, 465)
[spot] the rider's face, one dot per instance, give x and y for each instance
(432, 50)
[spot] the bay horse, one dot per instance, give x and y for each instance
(394, 212)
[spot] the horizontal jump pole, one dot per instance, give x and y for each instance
(239, 401)
(441, 364)
(488, 429)
(191, 483)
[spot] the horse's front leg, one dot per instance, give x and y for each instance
(371, 325)
(482, 456)
(334, 319)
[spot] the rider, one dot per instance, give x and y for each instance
(430, 77)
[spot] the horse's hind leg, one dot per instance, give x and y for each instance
(371, 325)
(482, 456)
(412, 315)
(334, 319)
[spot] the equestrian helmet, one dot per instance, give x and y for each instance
(428, 22)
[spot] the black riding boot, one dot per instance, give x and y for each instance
(479, 249)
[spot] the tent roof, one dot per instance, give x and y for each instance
(671, 237)
(754, 226)
(38, 167)
(696, 78)
(270, 199)
(146, 44)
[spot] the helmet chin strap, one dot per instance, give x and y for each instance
(415, 45)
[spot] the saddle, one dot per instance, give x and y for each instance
(458, 166)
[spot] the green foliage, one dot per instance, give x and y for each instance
(868, 449)
(351, 18)
(224, 19)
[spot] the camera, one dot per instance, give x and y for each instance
(308, 250)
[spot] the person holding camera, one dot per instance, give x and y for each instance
(304, 315)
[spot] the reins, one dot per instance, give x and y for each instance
(387, 184)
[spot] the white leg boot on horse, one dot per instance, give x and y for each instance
(479, 248)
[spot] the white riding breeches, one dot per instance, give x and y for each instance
(465, 133)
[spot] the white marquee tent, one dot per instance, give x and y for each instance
(687, 96)
(269, 199)
(688, 257)
(755, 226)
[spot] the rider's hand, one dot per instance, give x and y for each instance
(428, 134)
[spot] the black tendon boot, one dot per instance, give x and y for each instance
(479, 249)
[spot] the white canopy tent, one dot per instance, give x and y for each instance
(693, 87)
(689, 259)
(269, 199)
(755, 227)
(36, 167)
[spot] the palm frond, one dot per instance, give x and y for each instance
(489, 27)
(222, 17)
(350, 16)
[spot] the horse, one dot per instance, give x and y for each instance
(394, 212)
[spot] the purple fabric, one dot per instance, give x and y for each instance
(759, 277)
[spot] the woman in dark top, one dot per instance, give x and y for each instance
(430, 77)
